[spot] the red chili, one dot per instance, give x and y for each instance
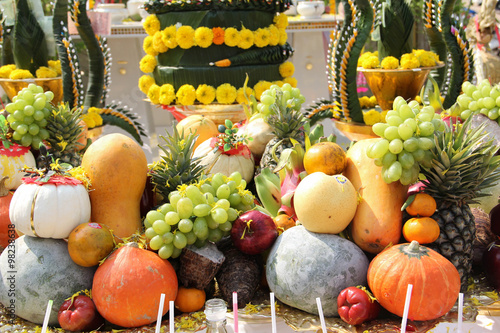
(355, 306)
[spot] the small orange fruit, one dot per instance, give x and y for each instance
(327, 157)
(422, 205)
(89, 243)
(190, 299)
(424, 230)
(284, 222)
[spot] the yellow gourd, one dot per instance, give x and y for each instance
(117, 168)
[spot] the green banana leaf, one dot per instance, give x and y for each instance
(29, 46)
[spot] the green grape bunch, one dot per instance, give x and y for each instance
(483, 98)
(284, 96)
(406, 141)
(27, 115)
(197, 213)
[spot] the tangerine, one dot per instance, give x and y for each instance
(327, 157)
(424, 230)
(284, 222)
(190, 299)
(422, 205)
(89, 243)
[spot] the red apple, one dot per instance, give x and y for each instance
(495, 220)
(79, 314)
(491, 264)
(254, 232)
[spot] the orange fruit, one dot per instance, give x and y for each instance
(200, 125)
(422, 205)
(284, 222)
(327, 157)
(424, 230)
(89, 243)
(190, 299)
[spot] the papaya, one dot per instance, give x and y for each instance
(377, 222)
(117, 168)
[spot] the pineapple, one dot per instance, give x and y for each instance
(463, 164)
(177, 167)
(287, 124)
(64, 131)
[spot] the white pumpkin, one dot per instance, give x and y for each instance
(218, 161)
(12, 160)
(49, 210)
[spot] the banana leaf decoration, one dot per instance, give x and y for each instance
(433, 28)
(28, 43)
(393, 28)
(7, 56)
(270, 55)
(68, 56)
(116, 115)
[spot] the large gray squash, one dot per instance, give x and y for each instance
(42, 270)
(303, 265)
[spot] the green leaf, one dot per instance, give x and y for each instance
(227, 147)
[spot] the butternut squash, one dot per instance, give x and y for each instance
(378, 219)
(117, 168)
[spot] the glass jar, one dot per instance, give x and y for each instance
(117, 11)
(215, 312)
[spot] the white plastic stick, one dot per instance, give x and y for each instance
(160, 313)
(406, 309)
(321, 316)
(235, 311)
(47, 316)
(273, 314)
(171, 320)
(460, 311)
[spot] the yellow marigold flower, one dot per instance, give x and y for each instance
(80, 174)
(370, 62)
(364, 102)
(291, 81)
(246, 39)
(373, 100)
(409, 61)
(186, 94)
(279, 83)
(261, 37)
(45, 72)
(169, 36)
(281, 21)
(167, 94)
(371, 117)
(151, 25)
(390, 63)
(283, 36)
(363, 57)
(154, 94)
(89, 120)
(426, 60)
(158, 44)
(19, 74)
(205, 94)
(240, 95)
(418, 52)
(147, 46)
(55, 65)
(6, 70)
(185, 36)
(287, 69)
(147, 64)
(382, 116)
(375, 53)
(97, 118)
(145, 82)
(274, 35)
(218, 35)
(203, 37)
(260, 87)
(231, 37)
(225, 94)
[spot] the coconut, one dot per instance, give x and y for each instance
(484, 235)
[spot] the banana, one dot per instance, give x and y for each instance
(268, 189)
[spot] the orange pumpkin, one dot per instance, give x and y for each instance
(200, 125)
(6, 233)
(436, 282)
(127, 286)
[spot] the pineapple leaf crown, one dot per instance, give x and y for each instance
(64, 128)
(464, 164)
(177, 166)
(285, 120)
(4, 132)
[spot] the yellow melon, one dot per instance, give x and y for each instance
(200, 125)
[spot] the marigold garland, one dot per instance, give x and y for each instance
(226, 94)
(205, 94)
(186, 94)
